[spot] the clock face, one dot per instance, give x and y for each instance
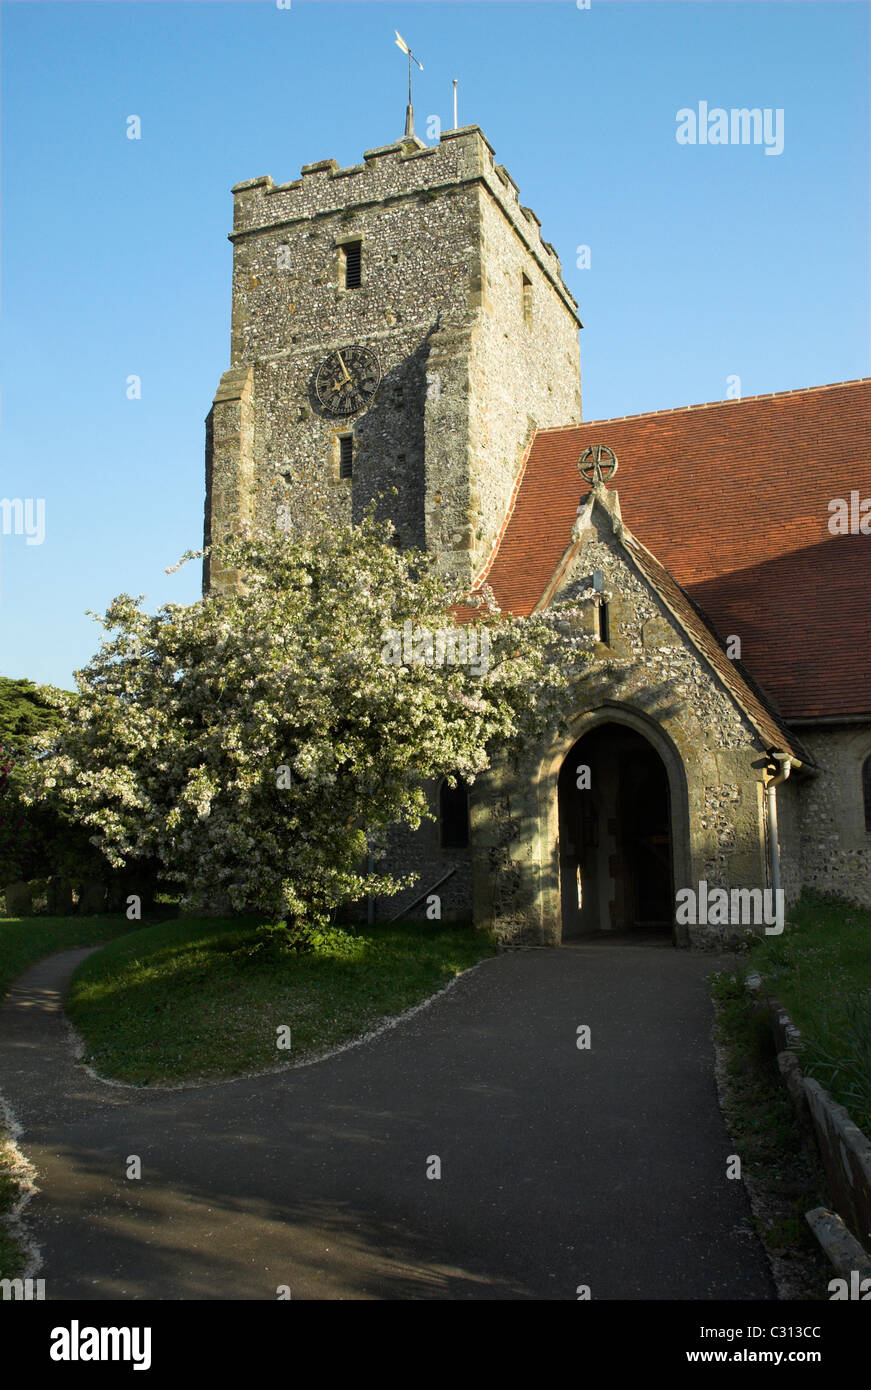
(347, 380)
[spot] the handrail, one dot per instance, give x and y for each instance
(425, 894)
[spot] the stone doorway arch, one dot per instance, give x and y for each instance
(628, 859)
(616, 870)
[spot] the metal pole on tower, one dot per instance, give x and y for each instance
(455, 102)
(409, 110)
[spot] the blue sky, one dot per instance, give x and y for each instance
(705, 261)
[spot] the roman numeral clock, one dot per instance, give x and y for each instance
(347, 380)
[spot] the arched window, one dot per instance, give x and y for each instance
(866, 790)
(454, 815)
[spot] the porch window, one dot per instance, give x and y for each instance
(454, 815)
(603, 623)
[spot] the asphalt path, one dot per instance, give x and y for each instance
(560, 1167)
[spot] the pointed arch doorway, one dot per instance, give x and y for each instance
(615, 837)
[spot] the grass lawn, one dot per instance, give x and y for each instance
(820, 970)
(781, 1174)
(173, 1002)
(170, 1001)
(23, 941)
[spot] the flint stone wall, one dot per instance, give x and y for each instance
(832, 849)
(464, 377)
(653, 679)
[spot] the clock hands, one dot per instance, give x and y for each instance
(337, 385)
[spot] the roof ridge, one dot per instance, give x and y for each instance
(706, 405)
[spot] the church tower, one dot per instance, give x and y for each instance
(399, 324)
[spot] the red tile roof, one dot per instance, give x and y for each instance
(732, 498)
(734, 674)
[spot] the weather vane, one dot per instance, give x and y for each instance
(409, 110)
(593, 462)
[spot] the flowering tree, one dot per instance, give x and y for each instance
(35, 841)
(252, 741)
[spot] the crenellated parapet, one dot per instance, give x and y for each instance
(403, 170)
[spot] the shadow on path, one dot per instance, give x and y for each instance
(559, 1166)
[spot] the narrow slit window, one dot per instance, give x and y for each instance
(603, 623)
(346, 456)
(352, 265)
(866, 791)
(527, 298)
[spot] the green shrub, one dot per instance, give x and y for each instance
(275, 940)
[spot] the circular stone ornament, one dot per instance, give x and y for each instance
(597, 463)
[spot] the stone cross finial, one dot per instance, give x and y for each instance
(597, 464)
(593, 462)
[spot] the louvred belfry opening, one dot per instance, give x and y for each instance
(352, 256)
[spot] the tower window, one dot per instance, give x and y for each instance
(866, 791)
(346, 455)
(527, 298)
(454, 815)
(603, 622)
(352, 265)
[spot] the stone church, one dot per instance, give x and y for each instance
(403, 324)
